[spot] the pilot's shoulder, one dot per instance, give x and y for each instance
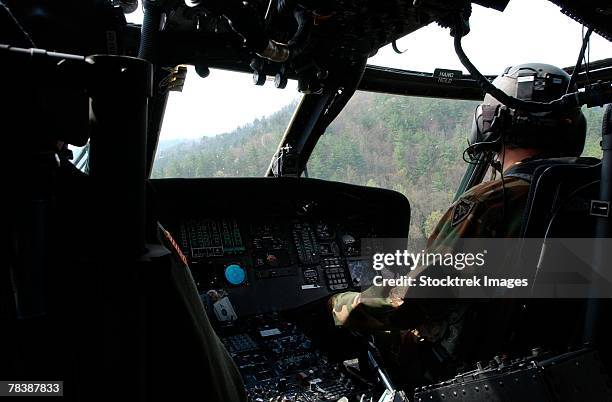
(486, 198)
(492, 191)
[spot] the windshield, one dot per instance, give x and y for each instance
(411, 145)
(222, 126)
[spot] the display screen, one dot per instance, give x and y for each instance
(272, 259)
(358, 269)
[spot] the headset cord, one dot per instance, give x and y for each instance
(503, 182)
(574, 77)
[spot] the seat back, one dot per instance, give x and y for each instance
(560, 192)
(557, 190)
(558, 207)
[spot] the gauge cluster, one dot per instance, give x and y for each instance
(227, 253)
(294, 242)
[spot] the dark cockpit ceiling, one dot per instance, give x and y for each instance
(592, 13)
(347, 31)
(340, 30)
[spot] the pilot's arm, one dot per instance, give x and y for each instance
(479, 213)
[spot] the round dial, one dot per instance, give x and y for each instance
(348, 239)
(235, 274)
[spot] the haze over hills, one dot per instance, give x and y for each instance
(411, 145)
(164, 144)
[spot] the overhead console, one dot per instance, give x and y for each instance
(273, 244)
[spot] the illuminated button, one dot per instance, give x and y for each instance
(235, 274)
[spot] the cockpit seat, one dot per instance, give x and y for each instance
(558, 207)
(555, 183)
(560, 192)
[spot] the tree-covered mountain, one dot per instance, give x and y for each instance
(411, 145)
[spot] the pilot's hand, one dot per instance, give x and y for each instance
(361, 310)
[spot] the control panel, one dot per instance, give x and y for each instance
(335, 273)
(202, 238)
(278, 362)
(275, 245)
(311, 256)
(265, 261)
(573, 376)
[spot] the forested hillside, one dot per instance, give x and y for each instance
(412, 145)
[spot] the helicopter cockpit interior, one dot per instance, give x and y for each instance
(126, 284)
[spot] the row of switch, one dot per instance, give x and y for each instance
(334, 273)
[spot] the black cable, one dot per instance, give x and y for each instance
(554, 216)
(587, 63)
(503, 182)
(149, 31)
(560, 206)
(567, 101)
(574, 77)
(472, 149)
(469, 151)
(396, 49)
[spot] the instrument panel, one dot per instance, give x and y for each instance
(275, 250)
(294, 242)
(279, 362)
(230, 254)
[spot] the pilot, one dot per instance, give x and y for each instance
(513, 142)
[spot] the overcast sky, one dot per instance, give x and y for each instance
(528, 31)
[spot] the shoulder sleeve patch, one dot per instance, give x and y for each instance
(461, 211)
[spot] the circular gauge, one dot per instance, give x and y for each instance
(272, 260)
(348, 239)
(235, 274)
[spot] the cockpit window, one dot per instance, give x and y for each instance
(411, 145)
(222, 126)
